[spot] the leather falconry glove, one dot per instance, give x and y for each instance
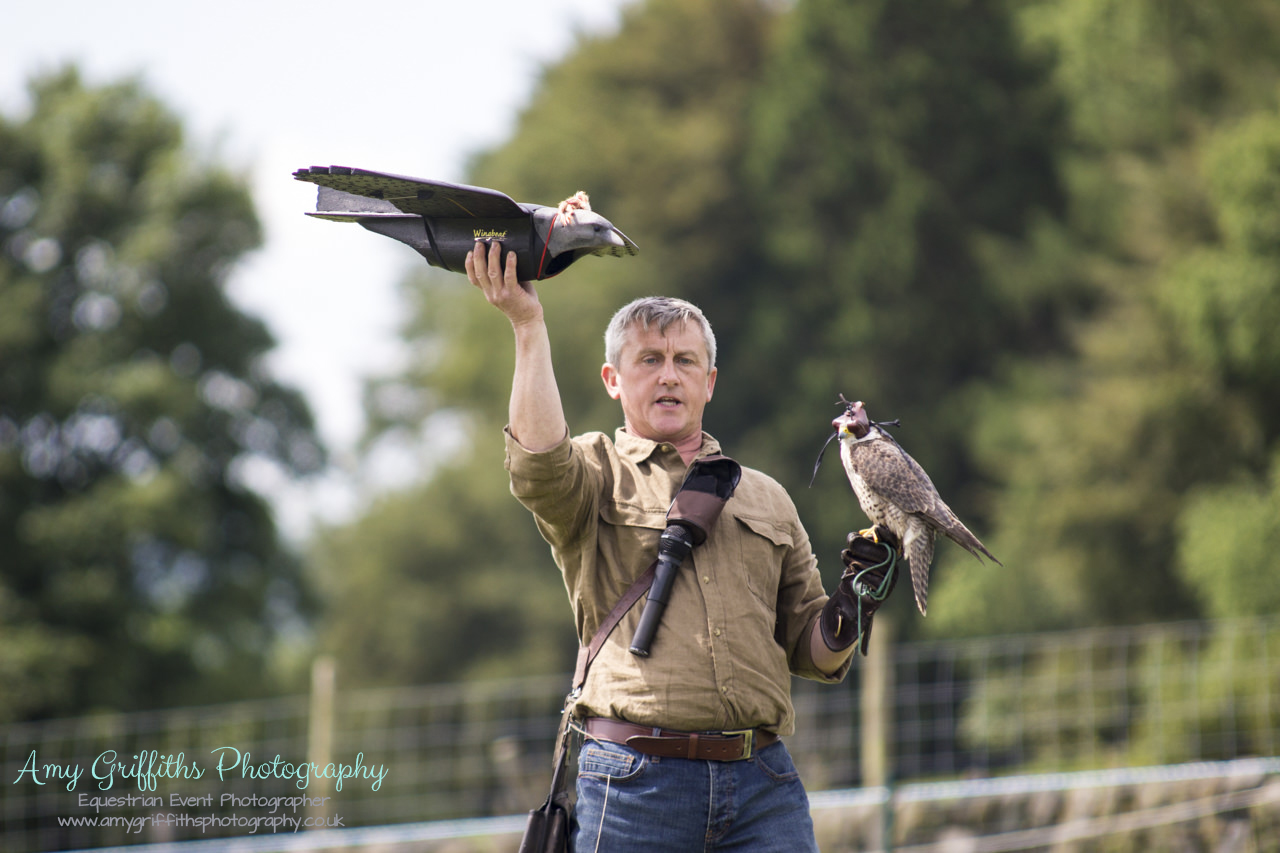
(870, 574)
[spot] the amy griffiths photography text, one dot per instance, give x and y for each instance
(146, 767)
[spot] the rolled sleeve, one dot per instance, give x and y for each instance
(551, 484)
(801, 598)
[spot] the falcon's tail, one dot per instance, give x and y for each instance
(917, 547)
(960, 535)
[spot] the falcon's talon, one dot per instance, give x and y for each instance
(870, 533)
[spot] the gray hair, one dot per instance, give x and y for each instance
(662, 311)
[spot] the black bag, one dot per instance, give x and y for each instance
(547, 830)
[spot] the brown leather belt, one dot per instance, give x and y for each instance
(707, 746)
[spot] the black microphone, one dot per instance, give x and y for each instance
(674, 545)
(708, 485)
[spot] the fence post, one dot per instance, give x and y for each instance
(877, 722)
(320, 729)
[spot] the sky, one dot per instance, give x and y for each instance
(269, 86)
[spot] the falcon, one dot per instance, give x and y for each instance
(443, 221)
(895, 492)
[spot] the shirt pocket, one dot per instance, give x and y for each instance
(628, 538)
(620, 514)
(764, 549)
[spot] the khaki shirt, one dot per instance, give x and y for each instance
(742, 607)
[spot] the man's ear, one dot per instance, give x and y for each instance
(609, 374)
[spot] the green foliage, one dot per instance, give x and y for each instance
(1167, 406)
(1225, 303)
(460, 587)
(1138, 474)
(903, 161)
(1224, 298)
(1244, 180)
(1156, 694)
(1227, 551)
(1005, 712)
(1199, 702)
(1139, 74)
(139, 569)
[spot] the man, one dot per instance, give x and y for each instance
(746, 611)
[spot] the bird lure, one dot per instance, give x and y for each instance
(443, 221)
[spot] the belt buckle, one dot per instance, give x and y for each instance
(748, 742)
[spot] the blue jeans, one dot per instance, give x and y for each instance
(631, 801)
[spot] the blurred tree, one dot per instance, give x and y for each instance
(139, 569)
(904, 162)
(1140, 470)
(1124, 460)
(1223, 302)
(443, 582)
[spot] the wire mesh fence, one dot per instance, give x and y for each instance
(1077, 700)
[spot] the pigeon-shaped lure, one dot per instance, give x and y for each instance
(894, 491)
(443, 221)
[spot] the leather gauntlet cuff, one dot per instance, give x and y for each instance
(870, 575)
(840, 620)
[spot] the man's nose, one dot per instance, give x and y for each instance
(668, 375)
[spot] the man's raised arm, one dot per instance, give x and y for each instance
(536, 413)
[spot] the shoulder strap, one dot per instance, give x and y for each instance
(587, 653)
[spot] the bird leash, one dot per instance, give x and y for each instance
(877, 593)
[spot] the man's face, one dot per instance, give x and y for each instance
(663, 381)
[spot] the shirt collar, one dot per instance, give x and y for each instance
(636, 449)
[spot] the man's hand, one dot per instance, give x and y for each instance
(870, 574)
(516, 299)
(536, 414)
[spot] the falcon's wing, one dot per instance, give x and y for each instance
(891, 472)
(410, 195)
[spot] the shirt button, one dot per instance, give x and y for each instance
(706, 578)
(716, 632)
